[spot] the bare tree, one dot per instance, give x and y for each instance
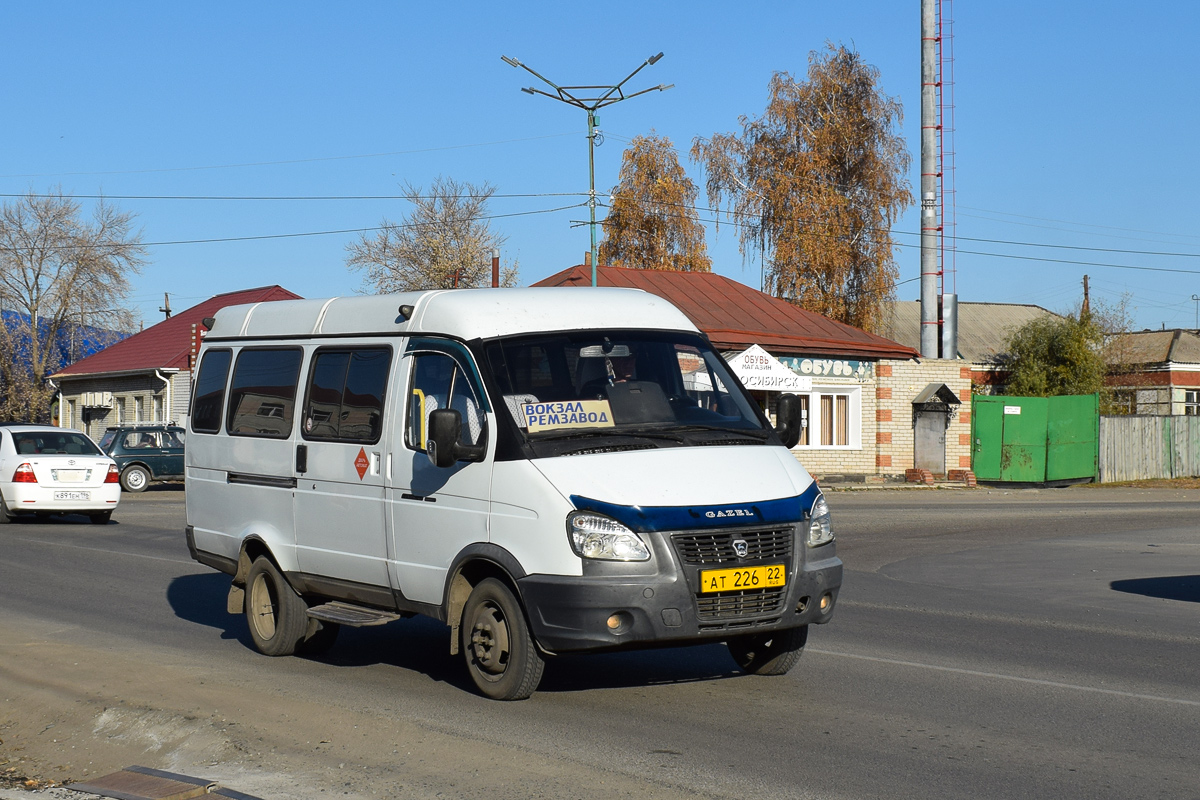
(60, 274)
(445, 243)
(653, 222)
(816, 183)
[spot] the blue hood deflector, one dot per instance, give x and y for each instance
(785, 510)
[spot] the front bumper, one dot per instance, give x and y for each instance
(658, 602)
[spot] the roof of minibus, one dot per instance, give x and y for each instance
(463, 313)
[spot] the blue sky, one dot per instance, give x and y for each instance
(1075, 128)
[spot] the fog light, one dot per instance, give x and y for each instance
(826, 601)
(802, 606)
(619, 622)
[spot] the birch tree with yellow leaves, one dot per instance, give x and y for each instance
(815, 184)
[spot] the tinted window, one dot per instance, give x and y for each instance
(55, 443)
(345, 394)
(210, 391)
(262, 394)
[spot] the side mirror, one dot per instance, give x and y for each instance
(787, 420)
(441, 443)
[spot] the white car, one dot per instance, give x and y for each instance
(47, 470)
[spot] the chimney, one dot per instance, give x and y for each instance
(587, 258)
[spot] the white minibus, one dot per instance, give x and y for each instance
(546, 471)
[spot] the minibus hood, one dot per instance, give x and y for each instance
(679, 476)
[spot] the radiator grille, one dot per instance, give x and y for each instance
(704, 548)
(750, 602)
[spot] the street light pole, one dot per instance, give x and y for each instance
(1197, 299)
(591, 99)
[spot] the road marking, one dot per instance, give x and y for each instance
(102, 550)
(1003, 677)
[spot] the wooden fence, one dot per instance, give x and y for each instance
(1138, 448)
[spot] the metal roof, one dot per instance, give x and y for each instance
(982, 327)
(734, 316)
(167, 344)
(1176, 346)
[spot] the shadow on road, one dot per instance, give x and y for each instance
(201, 599)
(1175, 587)
(422, 645)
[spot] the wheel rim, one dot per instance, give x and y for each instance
(136, 479)
(262, 607)
(490, 642)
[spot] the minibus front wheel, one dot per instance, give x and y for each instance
(277, 616)
(501, 656)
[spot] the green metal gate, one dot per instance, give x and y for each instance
(1035, 439)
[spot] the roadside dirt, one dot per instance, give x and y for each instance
(69, 712)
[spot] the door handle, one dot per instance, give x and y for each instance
(301, 458)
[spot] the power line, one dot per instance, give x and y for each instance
(263, 237)
(287, 197)
(289, 161)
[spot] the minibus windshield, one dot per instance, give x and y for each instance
(657, 386)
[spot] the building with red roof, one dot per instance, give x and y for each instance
(734, 316)
(146, 377)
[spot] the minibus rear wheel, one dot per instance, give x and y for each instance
(501, 656)
(277, 616)
(771, 653)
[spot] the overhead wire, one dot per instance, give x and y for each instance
(290, 161)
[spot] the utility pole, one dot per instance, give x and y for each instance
(166, 306)
(1086, 310)
(591, 99)
(1197, 299)
(929, 220)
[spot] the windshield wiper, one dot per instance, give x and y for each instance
(752, 433)
(594, 432)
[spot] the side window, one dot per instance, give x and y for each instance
(438, 382)
(210, 391)
(262, 393)
(345, 394)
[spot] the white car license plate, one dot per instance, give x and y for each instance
(72, 495)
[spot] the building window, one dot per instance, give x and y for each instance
(158, 408)
(69, 417)
(1191, 402)
(831, 417)
(120, 404)
(139, 409)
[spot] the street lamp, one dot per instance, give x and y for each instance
(591, 99)
(1197, 299)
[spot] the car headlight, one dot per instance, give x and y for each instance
(820, 523)
(597, 536)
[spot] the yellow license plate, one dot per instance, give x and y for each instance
(740, 578)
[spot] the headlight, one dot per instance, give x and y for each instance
(600, 537)
(820, 524)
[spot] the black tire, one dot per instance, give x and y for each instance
(501, 656)
(5, 517)
(771, 653)
(100, 518)
(135, 478)
(319, 637)
(277, 616)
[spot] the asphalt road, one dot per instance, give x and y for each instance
(987, 644)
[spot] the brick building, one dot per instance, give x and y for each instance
(1161, 375)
